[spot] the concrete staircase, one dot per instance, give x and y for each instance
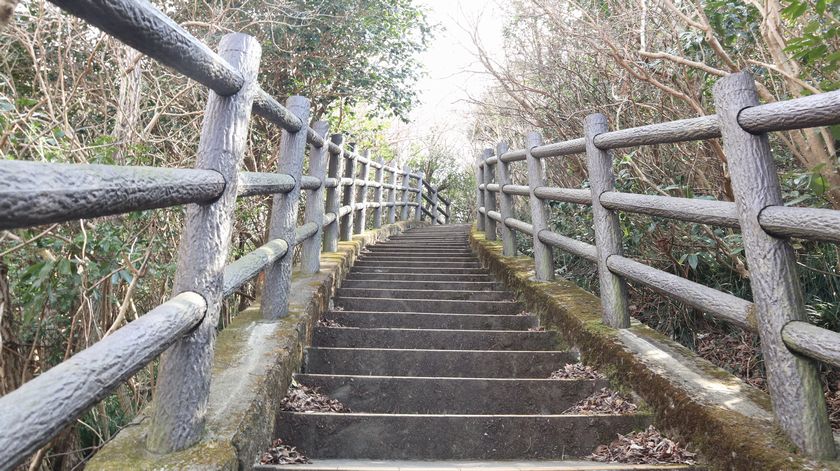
(436, 362)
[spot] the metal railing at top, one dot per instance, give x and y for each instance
(182, 329)
(789, 343)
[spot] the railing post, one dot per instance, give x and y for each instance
(333, 171)
(435, 207)
(505, 201)
(479, 193)
(377, 193)
(448, 214)
(361, 196)
(310, 255)
(392, 196)
(406, 196)
(284, 213)
(607, 226)
(419, 214)
(349, 197)
(183, 382)
(489, 198)
(793, 380)
(543, 256)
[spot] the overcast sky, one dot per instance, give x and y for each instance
(450, 66)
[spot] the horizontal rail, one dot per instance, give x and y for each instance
(263, 183)
(557, 149)
(38, 193)
(704, 127)
(807, 223)
(722, 305)
(822, 109)
(305, 231)
(567, 195)
(573, 246)
(309, 183)
(815, 342)
(33, 413)
(519, 190)
(250, 265)
(329, 218)
(719, 213)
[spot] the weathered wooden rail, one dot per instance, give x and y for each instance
(183, 329)
(789, 343)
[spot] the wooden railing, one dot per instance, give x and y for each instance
(789, 343)
(183, 329)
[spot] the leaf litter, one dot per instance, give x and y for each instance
(302, 398)
(605, 401)
(576, 371)
(645, 447)
(280, 453)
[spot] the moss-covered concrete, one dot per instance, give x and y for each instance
(730, 422)
(253, 365)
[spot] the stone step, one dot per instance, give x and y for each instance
(429, 305)
(376, 249)
(441, 437)
(403, 293)
(426, 270)
(441, 363)
(422, 285)
(443, 263)
(426, 320)
(435, 277)
(416, 258)
(412, 395)
(421, 245)
(472, 465)
(437, 339)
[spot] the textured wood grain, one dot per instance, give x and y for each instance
(479, 193)
(794, 385)
(184, 374)
(310, 254)
(269, 108)
(348, 199)
(806, 223)
(360, 218)
(704, 127)
(261, 183)
(822, 109)
(333, 195)
(557, 149)
(543, 256)
(607, 227)
(392, 196)
(575, 247)
(721, 305)
(719, 213)
(567, 195)
(418, 215)
(521, 226)
(284, 214)
(505, 203)
(34, 193)
(31, 415)
(251, 264)
(489, 201)
(812, 341)
(377, 193)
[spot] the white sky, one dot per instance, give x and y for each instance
(451, 67)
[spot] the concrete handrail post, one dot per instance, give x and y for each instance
(418, 214)
(489, 197)
(284, 213)
(392, 196)
(310, 256)
(607, 226)
(333, 195)
(479, 193)
(505, 202)
(448, 214)
(434, 205)
(793, 380)
(543, 255)
(183, 384)
(359, 220)
(406, 195)
(349, 196)
(377, 193)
